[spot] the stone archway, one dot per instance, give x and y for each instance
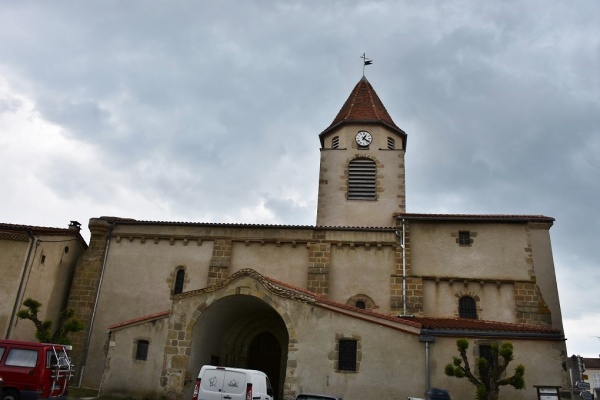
(240, 331)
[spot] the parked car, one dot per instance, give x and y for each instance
(310, 396)
(433, 394)
(224, 383)
(34, 371)
(438, 394)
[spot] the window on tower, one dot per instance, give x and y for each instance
(335, 142)
(391, 143)
(362, 179)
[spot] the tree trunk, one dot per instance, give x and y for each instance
(494, 394)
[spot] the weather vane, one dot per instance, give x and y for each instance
(366, 61)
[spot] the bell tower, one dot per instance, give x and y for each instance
(361, 176)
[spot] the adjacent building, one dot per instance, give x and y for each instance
(36, 262)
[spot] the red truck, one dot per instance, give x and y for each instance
(34, 371)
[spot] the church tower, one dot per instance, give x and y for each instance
(361, 177)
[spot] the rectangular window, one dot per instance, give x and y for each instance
(141, 352)
(596, 380)
(21, 358)
(51, 359)
(347, 355)
(464, 238)
(485, 351)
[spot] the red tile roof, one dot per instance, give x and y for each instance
(590, 363)
(364, 107)
(465, 325)
(139, 320)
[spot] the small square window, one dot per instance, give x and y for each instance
(141, 352)
(464, 238)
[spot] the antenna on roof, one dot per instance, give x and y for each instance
(366, 61)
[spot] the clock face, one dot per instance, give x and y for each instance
(364, 138)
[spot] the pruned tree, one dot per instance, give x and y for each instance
(67, 323)
(491, 369)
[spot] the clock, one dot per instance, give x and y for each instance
(364, 138)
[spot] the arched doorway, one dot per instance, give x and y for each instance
(240, 331)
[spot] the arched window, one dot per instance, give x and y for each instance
(361, 301)
(179, 279)
(362, 179)
(467, 307)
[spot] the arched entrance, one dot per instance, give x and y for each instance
(240, 331)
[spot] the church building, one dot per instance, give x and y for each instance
(367, 303)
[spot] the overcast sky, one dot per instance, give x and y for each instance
(209, 111)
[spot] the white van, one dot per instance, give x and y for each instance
(223, 383)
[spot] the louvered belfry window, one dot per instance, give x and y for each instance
(391, 143)
(362, 179)
(335, 142)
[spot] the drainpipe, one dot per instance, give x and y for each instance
(17, 305)
(89, 335)
(403, 245)
(403, 267)
(427, 339)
